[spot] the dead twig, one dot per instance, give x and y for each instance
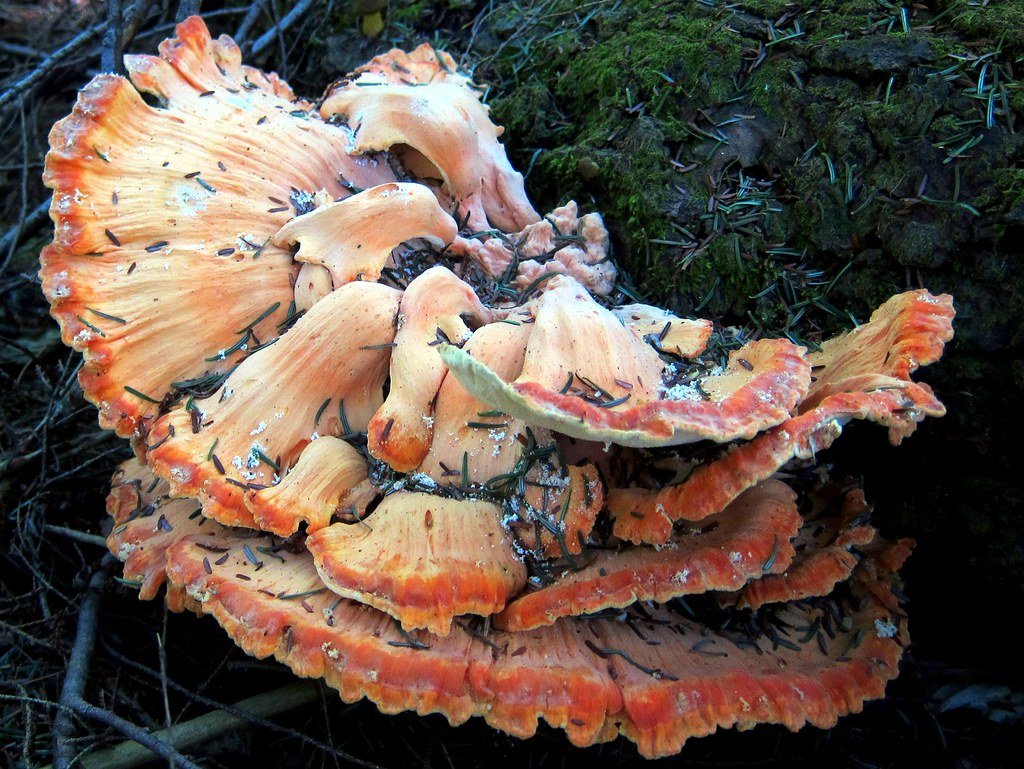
(78, 669)
(187, 8)
(241, 36)
(73, 703)
(251, 718)
(268, 37)
(78, 536)
(110, 58)
(24, 190)
(47, 65)
(204, 727)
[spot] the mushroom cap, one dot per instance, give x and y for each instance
(329, 475)
(748, 539)
(422, 559)
(439, 123)
(577, 344)
(354, 237)
(824, 554)
(678, 336)
(146, 523)
(591, 677)
(324, 376)
(909, 330)
(424, 64)
(465, 426)
(860, 375)
(163, 217)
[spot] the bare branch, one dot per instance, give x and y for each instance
(287, 20)
(78, 670)
(205, 727)
(255, 9)
(74, 45)
(110, 58)
(187, 8)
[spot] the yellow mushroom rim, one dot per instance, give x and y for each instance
(392, 428)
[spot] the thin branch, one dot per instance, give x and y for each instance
(48, 64)
(134, 733)
(78, 671)
(16, 230)
(78, 536)
(137, 14)
(287, 20)
(241, 35)
(110, 58)
(34, 218)
(72, 701)
(205, 727)
(251, 719)
(187, 8)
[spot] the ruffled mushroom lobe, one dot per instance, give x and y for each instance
(330, 475)
(146, 523)
(163, 217)
(422, 65)
(677, 336)
(324, 376)
(860, 375)
(433, 310)
(354, 237)
(468, 432)
(587, 376)
(422, 559)
(824, 555)
(563, 242)
(657, 678)
(443, 122)
(749, 539)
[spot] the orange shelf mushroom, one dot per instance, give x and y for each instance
(864, 374)
(391, 428)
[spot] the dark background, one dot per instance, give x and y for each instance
(872, 150)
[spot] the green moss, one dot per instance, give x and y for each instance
(631, 83)
(996, 21)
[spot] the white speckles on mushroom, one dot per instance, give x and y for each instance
(885, 628)
(191, 199)
(183, 474)
(330, 651)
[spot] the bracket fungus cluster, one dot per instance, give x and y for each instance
(391, 428)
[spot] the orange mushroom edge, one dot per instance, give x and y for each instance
(437, 127)
(423, 559)
(398, 431)
(653, 675)
(827, 550)
(750, 538)
(611, 387)
(146, 523)
(161, 247)
(864, 374)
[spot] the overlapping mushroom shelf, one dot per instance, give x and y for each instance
(392, 428)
